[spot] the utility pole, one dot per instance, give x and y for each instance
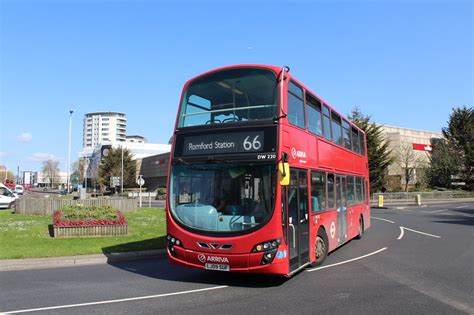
(121, 177)
(69, 151)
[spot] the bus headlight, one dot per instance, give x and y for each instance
(269, 249)
(268, 245)
(172, 242)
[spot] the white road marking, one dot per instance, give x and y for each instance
(439, 210)
(402, 228)
(402, 232)
(460, 207)
(114, 301)
(382, 219)
(347, 261)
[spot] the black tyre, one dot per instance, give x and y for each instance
(361, 228)
(321, 248)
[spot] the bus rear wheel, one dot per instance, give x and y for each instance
(361, 228)
(321, 247)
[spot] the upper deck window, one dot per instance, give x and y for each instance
(327, 122)
(346, 134)
(230, 96)
(336, 128)
(355, 140)
(295, 105)
(313, 106)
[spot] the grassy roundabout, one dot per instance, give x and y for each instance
(28, 236)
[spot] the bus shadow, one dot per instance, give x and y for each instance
(160, 268)
(462, 217)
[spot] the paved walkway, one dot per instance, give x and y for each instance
(80, 260)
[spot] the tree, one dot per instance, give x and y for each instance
(4, 174)
(444, 164)
(409, 161)
(460, 138)
(111, 166)
(51, 172)
(379, 154)
(78, 169)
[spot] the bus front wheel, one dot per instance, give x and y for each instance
(321, 247)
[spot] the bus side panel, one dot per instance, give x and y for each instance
(325, 154)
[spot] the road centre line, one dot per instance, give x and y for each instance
(114, 301)
(382, 219)
(460, 207)
(439, 210)
(348, 261)
(402, 232)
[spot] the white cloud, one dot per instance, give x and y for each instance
(24, 137)
(3, 154)
(40, 157)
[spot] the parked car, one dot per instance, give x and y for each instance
(7, 197)
(19, 189)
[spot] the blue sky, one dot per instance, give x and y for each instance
(405, 63)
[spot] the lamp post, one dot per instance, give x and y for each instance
(69, 151)
(121, 178)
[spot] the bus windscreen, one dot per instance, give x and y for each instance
(233, 95)
(222, 197)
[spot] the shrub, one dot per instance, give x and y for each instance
(77, 215)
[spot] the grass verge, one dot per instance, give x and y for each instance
(28, 236)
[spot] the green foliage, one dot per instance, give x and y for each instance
(27, 236)
(379, 154)
(444, 163)
(111, 166)
(460, 137)
(77, 212)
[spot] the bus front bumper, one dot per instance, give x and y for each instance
(248, 263)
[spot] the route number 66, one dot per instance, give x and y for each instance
(254, 145)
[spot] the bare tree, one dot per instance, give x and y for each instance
(78, 168)
(51, 171)
(409, 161)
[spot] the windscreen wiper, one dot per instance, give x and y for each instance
(213, 159)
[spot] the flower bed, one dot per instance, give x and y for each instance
(88, 221)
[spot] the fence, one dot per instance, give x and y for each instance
(410, 196)
(48, 205)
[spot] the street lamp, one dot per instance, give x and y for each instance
(69, 152)
(121, 178)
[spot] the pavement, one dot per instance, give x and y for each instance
(411, 203)
(79, 260)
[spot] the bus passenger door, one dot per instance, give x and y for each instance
(341, 203)
(298, 218)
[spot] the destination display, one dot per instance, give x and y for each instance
(257, 143)
(241, 142)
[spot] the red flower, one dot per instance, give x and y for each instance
(58, 222)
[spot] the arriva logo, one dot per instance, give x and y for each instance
(215, 259)
(296, 153)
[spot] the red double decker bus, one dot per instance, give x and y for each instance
(264, 177)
